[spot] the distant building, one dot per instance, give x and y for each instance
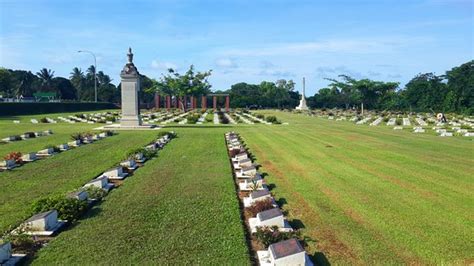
(44, 96)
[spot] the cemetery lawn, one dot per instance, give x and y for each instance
(180, 208)
(370, 195)
(61, 173)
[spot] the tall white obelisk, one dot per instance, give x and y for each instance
(303, 105)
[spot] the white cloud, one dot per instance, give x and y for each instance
(155, 64)
(367, 45)
(226, 63)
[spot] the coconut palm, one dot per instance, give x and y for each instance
(46, 76)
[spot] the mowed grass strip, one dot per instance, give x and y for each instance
(180, 208)
(61, 173)
(369, 194)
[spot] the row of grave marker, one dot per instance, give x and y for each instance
(48, 152)
(47, 224)
(287, 252)
(27, 135)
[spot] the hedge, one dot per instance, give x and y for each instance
(7, 109)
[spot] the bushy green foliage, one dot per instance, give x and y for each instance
(272, 119)
(95, 192)
(270, 235)
(147, 153)
(76, 136)
(68, 208)
(55, 148)
(193, 118)
(44, 120)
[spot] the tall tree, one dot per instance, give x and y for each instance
(46, 76)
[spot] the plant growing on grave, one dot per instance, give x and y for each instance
(270, 235)
(95, 192)
(398, 122)
(30, 134)
(20, 240)
(110, 118)
(108, 132)
(76, 136)
(68, 208)
(255, 185)
(259, 206)
(44, 120)
(55, 148)
(15, 156)
(272, 119)
(261, 116)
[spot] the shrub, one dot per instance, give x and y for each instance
(146, 153)
(76, 136)
(270, 235)
(20, 240)
(209, 119)
(272, 119)
(44, 120)
(55, 148)
(110, 118)
(15, 156)
(30, 134)
(95, 192)
(68, 208)
(192, 119)
(386, 119)
(259, 206)
(260, 116)
(398, 122)
(107, 132)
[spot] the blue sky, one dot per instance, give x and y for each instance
(241, 41)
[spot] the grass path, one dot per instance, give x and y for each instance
(369, 194)
(178, 209)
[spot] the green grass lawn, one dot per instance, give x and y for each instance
(180, 208)
(364, 195)
(370, 194)
(61, 173)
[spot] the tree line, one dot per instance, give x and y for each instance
(78, 87)
(452, 91)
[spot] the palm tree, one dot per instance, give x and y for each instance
(25, 86)
(46, 76)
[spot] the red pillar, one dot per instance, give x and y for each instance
(168, 102)
(214, 102)
(191, 101)
(157, 101)
(203, 102)
(195, 102)
(227, 103)
(180, 102)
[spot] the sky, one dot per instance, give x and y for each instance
(241, 41)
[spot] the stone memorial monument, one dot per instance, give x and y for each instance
(303, 105)
(130, 85)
